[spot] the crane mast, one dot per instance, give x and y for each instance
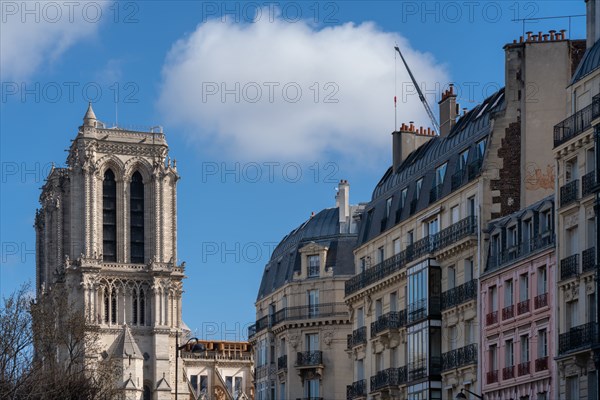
(434, 122)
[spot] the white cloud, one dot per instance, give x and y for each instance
(354, 61)
(33, 34)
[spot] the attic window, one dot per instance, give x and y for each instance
(314, 266)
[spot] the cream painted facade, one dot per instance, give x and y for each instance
(301, 321)
(222, 371)
(106, 238)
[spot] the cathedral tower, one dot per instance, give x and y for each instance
(106, 238)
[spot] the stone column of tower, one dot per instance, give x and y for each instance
(106, 238)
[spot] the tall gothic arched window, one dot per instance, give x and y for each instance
(113, 306)
(136, 219)
(109, 217)
(138, 307)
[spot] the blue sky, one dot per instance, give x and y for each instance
(266, 106)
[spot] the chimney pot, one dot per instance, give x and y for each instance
(552, 32)
(529, 35)
(539, 36)
(521, 39)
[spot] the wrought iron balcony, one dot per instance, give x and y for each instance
(491, 376)
(455, 232)
(576, 123)
(263, 323)
(508, 312)
(357, 390)
(358, 337)
(569, 193)
(309, 358)
(541, 364)
(569, 267)
(460, 357)
(541, 300)
(310, 311)
(513, 253)
(588, 259)
(435, 193)
(474, 168)
(523, 368)
(391, 320)
(458, 178)
(579, 337)
(588, 181)
(427, 245)
(508, 372)
(384, 222)
(282, 362)
(491, 318)
(251, 331)
(460, 294)
(385, 379)
(402, 375)
(523, 307)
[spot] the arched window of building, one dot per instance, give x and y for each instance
(106, 307)
(135, 303)
(109, 217)
(147, 393)
(113, 306)
(136, 218)
(142, 314)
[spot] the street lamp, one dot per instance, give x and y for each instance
(461, 395)
(196, 348)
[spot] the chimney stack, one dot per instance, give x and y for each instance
(448, 111)
(406, 140)
(342, 201)
(592, 28)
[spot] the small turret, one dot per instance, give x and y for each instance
(89, 119)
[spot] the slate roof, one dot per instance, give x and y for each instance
(322, 229)
(468, 131)
(589, 63)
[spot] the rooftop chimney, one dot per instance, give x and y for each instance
(406, 140)
(448, 111)
(342, 201)
(592, 22)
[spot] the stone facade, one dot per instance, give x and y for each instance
(106, 237)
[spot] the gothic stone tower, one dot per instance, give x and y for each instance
(107, 239)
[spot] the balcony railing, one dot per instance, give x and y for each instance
(356, 390)
(460, 294)
(429, 244)
(588, 259)
(309, 358)
(523, 368)
(417, 370)
(541, 300)
(310, 311)
(386, 378)
(474, 168)
(358, 337)
(578, 337)
(569, 192)
(508, 312)
(508, 372)
(523, 307)
(576, 123)
(282, 362)
(458, 178)
(491, 318)
(391, 320)
(588, 181)
(491, 376)
(460, 357)
(435, 193)
(569, 267)
(541, 364)
(509, 255)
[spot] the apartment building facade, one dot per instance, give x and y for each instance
(223, 370)
(516, 305)
(421, 245)
(575, 150)
(301, 320)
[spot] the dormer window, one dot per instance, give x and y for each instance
(314, 266)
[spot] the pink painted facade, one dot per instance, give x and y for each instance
(517, 321)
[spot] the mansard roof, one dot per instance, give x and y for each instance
(322, 229)
(469, 130)
(589, 63)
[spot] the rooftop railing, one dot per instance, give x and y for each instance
(514, 253)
